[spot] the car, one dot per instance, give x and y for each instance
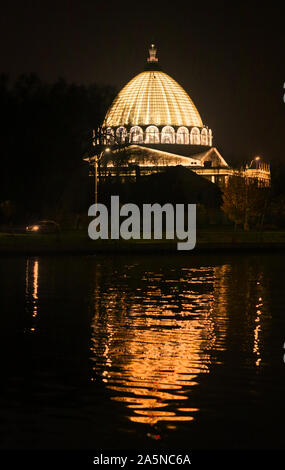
(43, 226)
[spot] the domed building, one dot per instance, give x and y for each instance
(154, 109)
(156, 120)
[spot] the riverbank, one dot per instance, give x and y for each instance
(78, 242)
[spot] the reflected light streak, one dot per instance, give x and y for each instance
(256, 333)
(35, 287)
(153, 342)
(31, 290)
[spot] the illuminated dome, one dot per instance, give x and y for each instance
(153, 97)
(154, 109)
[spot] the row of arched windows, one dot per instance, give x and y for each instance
(168, 135)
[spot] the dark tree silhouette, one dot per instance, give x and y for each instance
(42, 143)
(245, 202)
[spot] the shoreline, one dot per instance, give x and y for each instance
(78, 243)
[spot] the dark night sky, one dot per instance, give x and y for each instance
(230, 59)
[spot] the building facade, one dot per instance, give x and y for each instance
(157, 122)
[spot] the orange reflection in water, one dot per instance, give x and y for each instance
(32, 283)
(151, 342)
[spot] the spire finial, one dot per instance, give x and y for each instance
(152, 54)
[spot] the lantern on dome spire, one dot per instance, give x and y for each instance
(152, 54)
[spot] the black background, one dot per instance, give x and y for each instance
(229, 57)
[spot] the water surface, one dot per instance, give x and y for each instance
(144, 351)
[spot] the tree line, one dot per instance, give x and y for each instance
(43, 134)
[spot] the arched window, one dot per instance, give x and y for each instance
(168, 135)
(182, 136)
(152, 135)
(204, 137)
(195, 136)
(136, 135)
(109, 136)
(210, 138)
(121, 134)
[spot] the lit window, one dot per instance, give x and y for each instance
(182, 136)
(204, 137)
(195, 136)
(121, 134)
(136, 135)
(210, 139)
(168, 135)
(109, 136)
(152, 135)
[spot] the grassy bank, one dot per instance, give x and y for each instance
(79, 242)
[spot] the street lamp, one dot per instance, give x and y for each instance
(256, 159)
(96, 160)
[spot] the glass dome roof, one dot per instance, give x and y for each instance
(152, 97)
